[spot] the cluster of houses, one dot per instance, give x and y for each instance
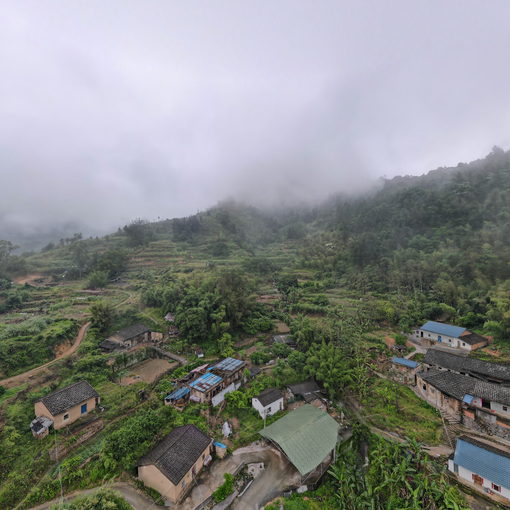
(208, 384)
(470, 392)
(307, 436)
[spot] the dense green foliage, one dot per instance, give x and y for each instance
(100, 500)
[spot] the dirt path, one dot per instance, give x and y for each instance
(18, 380)
(134, 497)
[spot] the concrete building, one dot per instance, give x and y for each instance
(172, 466)
(433, 333)
(126, 338)
(220, 379)
(483, 465)
(65, 406)
(268, 402)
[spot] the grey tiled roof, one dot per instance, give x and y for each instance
(457, 385)
(472, 338)
(304, 388)
(175, 455)
(467, 365)
(131, 331)
(269, 396)
(449, 383)
(70, 396)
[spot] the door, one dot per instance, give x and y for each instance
(439, 338)
(84, 408)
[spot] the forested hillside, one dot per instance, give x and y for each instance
(443, 239)
(342, 278)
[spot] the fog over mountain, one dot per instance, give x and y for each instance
(120, 109)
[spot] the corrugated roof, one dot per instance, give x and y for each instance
(70, 396)
(205, 382)
(177, 394)
(228, 364)
(306, 436)
(405, 362)
(482, 459)
(443, 329)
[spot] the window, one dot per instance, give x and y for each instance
(463, 344)
(66, 416)
(424, 387)
(496, 488)
(505, 408)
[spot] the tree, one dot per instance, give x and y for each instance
(139, 232)
(102, 315)
(97, 280)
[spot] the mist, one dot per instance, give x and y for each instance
(118, 110)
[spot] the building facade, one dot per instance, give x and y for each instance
(65, 406)
(482, 464)
(268, 402)
(456, 337)
(173, 465)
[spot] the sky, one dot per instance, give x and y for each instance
(118, 110)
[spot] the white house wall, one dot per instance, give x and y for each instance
(467, 475)
(448, 341)
(268, 410)
(220, 397)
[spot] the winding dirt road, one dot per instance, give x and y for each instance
(18, 380)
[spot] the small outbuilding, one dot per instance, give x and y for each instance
(269, 402)
(306, 390)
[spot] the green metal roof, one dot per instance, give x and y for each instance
(306, 435)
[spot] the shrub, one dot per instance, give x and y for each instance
(225, 489)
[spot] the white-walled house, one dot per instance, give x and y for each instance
(269, 402)
(483, 464)
(434, 333)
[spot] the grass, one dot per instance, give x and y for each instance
(394, 407)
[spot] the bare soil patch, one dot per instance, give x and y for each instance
(389, 341)
(147, 371)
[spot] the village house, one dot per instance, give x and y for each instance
(285, 340)
(491, 372)
(126, 338)
(406, 369)
(269, 402)
(172, 466)
(433, 333)
(306, 390)
(65, 406)
(482, 464)
(479, 405)
(220, 379)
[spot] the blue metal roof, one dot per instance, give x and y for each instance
(443, 329)
(177, 394)
(468, 398)
(205, 382)
(405, 362)
(487, 463)
(228, 364)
